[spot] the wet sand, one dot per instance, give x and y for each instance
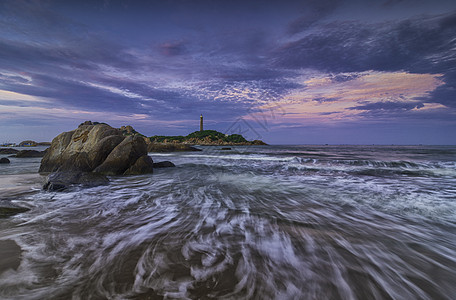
(18, 185)
(10, 253)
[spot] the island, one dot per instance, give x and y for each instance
(206, 138)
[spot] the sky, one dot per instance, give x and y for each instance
(286, 72)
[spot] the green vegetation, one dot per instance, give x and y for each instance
(171, 138)
(211, 135)
(235, 138)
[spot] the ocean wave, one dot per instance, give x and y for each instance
(243, 226)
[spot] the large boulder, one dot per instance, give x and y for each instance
(93, 148)
(82, 149)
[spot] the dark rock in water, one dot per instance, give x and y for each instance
(143, 165)
(30, 153)
(225, 148)
(9, 209)
(123, 156)
(161, 147)
(164, 164)
(4, 160)
(60, 181)
(10, 254)
(8, 151)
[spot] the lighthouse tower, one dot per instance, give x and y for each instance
(201, 122)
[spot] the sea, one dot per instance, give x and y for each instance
(251, 222)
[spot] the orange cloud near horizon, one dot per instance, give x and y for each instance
(326, 100)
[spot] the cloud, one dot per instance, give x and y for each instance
(418, 45)
(173, 48)
(323, 99)
(445, 94)
(313, 12)
(367, 97)
(388, 105)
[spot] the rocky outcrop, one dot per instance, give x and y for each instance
(123, 156)
(4, 160)
(30, 153)
(60, 181)
(8, 151)
(9, 209)
(206, 138)
(28, 144)
(164, 164)
(94, 148)
(143, 165)
(163, 147)
(82, 149)
(258, 143)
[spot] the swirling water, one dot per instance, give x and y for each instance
(265, 222)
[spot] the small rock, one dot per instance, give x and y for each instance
(8, 151)
(60, 181)
(4, 160)
(164, 164)
(30, 153)
(225, 148)
(9, 209)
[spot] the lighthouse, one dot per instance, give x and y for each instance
(201, 122)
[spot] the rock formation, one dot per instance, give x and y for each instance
(144, 164)
(28, 144)
(8, 151)
(29, 153)
(59, 181)
(94, 148)
(164, 147)
(206, 138)
(9, 209)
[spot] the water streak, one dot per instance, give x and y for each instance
(298, 222)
